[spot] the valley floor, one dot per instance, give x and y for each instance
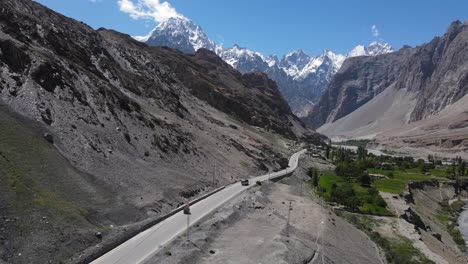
(253, 228)
(384, 120)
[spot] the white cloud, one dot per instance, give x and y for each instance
(148, 9)
(375, 31)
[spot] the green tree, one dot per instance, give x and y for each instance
(353, 203)
(343, 192)
(348, 170)
(380, 201)
(315, 178)
(361, 152)
(454, 169)
(425, 167)
(390, 175)
(365, 179)
(321, 190)
(314, 175)
(451, 173)
(461, 167)
(430, 158)
(404, 165)
(372, 191)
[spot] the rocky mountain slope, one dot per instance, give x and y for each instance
(444, 133)
(100, 131)
(400, 91)
(358, 81)
(301, 78)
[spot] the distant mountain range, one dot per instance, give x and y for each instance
(301, 78)
(372, 92)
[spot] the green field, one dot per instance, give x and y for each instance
(400, 179)
(395, 184)
(401, 250)
(368, 205)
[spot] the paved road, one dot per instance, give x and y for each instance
(147, 243)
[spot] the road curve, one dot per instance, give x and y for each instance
(147, 243)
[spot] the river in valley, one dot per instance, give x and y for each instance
(463, 224)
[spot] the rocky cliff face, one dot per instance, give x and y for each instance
(357, 82)
(438, 72)
(123, 130)
(434, 74)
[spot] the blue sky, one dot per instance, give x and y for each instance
(278, 26)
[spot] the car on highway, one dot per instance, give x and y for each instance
(245, 182)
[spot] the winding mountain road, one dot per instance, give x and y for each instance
(149, 242)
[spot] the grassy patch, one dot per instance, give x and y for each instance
(327, 180)
(401, 250)
(31, 169)
(457, 237)
(26, 195)
(400, 179)
(368, 203)
(442, 172)
(391, 185)
(443, 217)
(244, 164)
(363, 222)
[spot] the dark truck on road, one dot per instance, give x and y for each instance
(245, 182)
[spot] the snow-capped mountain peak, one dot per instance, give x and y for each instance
(296, 55)
(180, 33)
(272, 60)
(328, 61)
(243, 59)
(336, 59)
(293, 62)
(359, 50)
(374, 49)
